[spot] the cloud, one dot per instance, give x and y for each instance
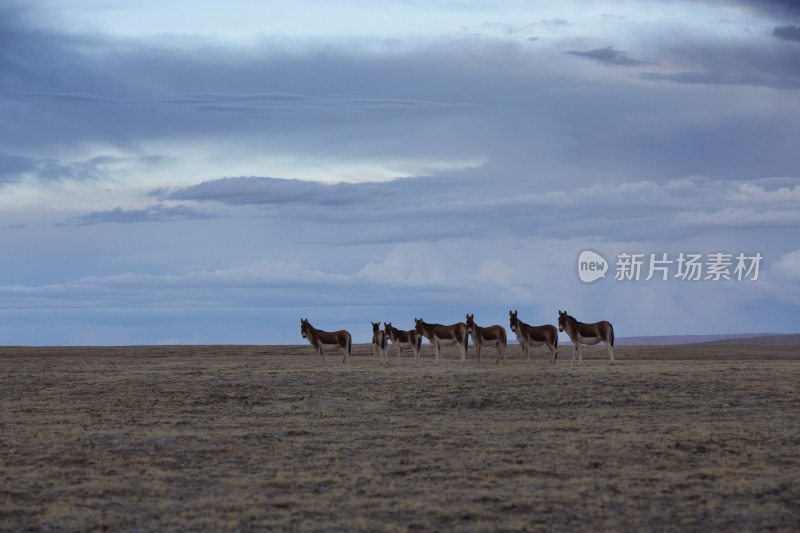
(719, 77)
(438, 209)
(269, 191)
(155, 213)
(15, 169)
(771, 8)
(756, 193)
(298, 104)
(788, 266)
(787, 33)
(329, 103)
(733, 217)
(439, 281)
(700, 60)
(609, 56)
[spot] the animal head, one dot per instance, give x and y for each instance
(513, 321)
(470, 321)
(304, 327)
(418, 325)
(562, 320)
(376, 326)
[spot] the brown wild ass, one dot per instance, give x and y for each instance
(326, 341)
(580, 333)
(528, 336)
(378, 342)
(439, 335)
(491, 336)
(404, 340)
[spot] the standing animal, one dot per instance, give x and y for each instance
(580, 333)
(491, 336)
(404, 340)
(379, 343)
(326, 341)
(439, 335)
(528, 336)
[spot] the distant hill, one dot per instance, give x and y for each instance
(774, 339)
(770, 340)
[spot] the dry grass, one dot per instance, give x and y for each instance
(225, 438)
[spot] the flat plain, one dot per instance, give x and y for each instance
(270, 438)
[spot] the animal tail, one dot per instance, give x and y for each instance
(555, 342)
(349, 344)
(612, 336)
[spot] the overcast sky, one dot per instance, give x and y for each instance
(210, 172)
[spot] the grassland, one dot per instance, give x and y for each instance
(258, 438)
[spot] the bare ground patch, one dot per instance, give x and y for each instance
(185, 438)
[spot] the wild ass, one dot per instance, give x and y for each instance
(326, 341)
(491, 336)
(528, 336)
(403, 340)
(440, 335)
(580, 333)
(378, 342)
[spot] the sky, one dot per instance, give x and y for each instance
(210, 172)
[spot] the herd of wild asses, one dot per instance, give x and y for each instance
(458, 334)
